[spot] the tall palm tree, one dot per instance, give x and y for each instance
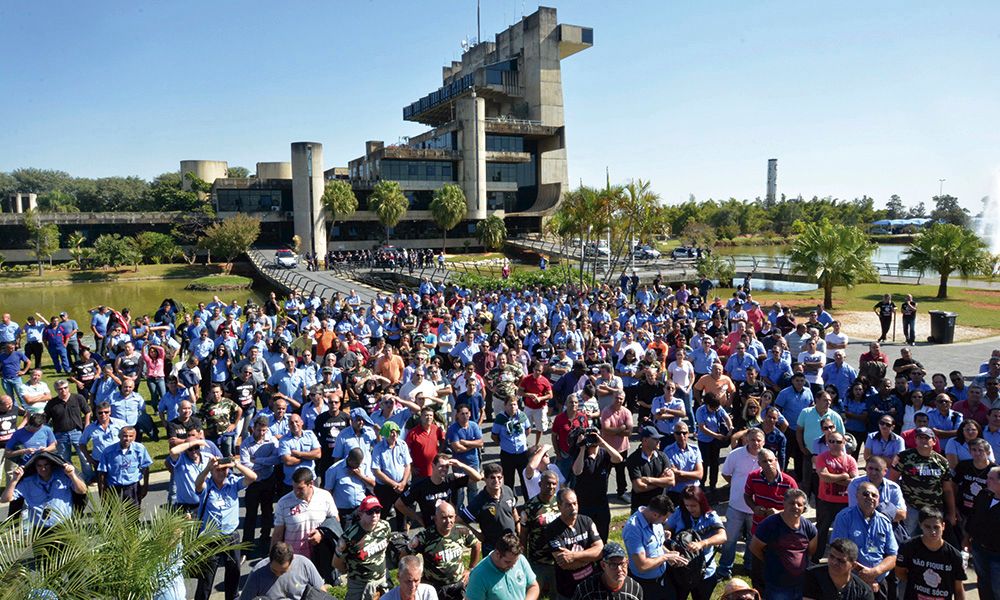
(945, 248)
(448, 207)
(339, 200)
(109, 551)
(389, 204)
(833, 254)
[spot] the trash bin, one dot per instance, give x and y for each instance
(942, 326)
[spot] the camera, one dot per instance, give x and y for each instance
(590, 436)
(226, 462)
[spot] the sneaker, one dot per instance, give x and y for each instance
(626, 498)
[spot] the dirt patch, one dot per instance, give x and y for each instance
(865, 326)
(985, 305)
(987, 293)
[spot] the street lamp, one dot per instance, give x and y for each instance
(941, 187)
(312, 211)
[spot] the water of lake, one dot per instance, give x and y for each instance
(142, 297)
(885, 253)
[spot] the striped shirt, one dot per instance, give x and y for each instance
(592, 588)
(769, 494)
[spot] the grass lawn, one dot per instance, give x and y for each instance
(975, 307)
(123, 274)
(472, 256)
(220, 282)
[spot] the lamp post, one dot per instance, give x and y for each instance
(941, 187)
(312, 210)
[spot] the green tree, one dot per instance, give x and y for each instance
(713, 266)
(389, 203)
(230, 238)
(945, 248)
(43, 239)
(947, 210)
(339, 200)
(40, 181)
(698, 234)
(833, 254)
(448, 207)
(112, 194)
(157, 247)
(198, 184)
(8, 184)
(237, 172)
(57, 201)
(894, 208)
(75, 243)
(492, 232)
(112, 250)
(70, 561)
(917, 212)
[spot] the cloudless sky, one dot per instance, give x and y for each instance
(852, 98)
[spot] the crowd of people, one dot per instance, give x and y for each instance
(470, 438)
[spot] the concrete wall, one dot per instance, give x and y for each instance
(471, 113)
(309, 216)
(274, 170)
(209, 170)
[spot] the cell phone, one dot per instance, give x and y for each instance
(226, 461)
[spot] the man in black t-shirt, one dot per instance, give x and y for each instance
(575, 545)
(493, 508)
(68, 414)
(928, 566)
(327, 427)
(648, 468)
(180, 428)
(440, 487)
(885, 310)
(8, 425)
(836, 579)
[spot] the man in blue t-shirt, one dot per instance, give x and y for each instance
(13, 365)
(48, 493)
(219, 490)
(783, 543)
(465, 439)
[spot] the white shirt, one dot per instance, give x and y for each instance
(835, 338)
(682, 375)
(739, 464)
(534, 485)
(299, 517)
(812, 358)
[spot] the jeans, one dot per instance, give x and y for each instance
(230, 561)
(59, 359)
(10, 388)
(773, 592)
(73, 350)
(987, 566)
(157, 389)
(826, 512)
(738, 525)
(259, 498)
(910, 329)
(68, 444)
(688, 408)
(245, 425)
(464, 494)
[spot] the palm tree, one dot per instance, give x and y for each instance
(833, 254)
(448, 209)
(75, 242)
(107, 552)
(945, 248)
(339, 200)
(388, 203)
(492, 232)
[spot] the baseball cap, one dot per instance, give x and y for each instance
(387, 428)
(614, 550)
(328, 370)
(927, 431)
(651, 432)
(62, 314)
(359, 413)
(369, 503)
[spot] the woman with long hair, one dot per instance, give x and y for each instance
(695, 531)
(714, 430)
(957, 448)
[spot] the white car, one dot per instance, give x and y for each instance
(286, 259)
(646, 252)
(684, 252)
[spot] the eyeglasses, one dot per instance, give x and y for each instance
(837, 442)
(681, 433)
(886, 423)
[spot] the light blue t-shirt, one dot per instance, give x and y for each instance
(639, 535)
(124, 467)
(221, 505)
(391, 461)
(304, 443)
(46, 502)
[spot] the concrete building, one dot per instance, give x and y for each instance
(20, 202)
(497, 129)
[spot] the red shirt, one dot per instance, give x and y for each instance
(980, 414)
(424, 445)
(845, 463)
(561, 427)
(769, 494)
(538, 386)
(910, 440)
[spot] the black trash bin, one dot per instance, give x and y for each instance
(942, 326)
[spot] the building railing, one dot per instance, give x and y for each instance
(509, 120)
(91, 218)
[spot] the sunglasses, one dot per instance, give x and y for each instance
(837, 442)
(373, 511)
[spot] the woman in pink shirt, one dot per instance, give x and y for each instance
(836, 468)
(154, 358)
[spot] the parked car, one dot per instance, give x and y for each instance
(597, 250)
(646, 252)
(286, 259)
(684, 252)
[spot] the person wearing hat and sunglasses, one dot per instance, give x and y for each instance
(649, 469)
(361, 552)
(925, 479)
(611, 581)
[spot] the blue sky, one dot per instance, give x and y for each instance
(852, 98)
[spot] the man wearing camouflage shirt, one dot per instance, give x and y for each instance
(361, 552)
(925, 479)
(220, 416)
(539, 512)
(443, 548)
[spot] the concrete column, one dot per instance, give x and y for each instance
(307, 191)
(471, 113)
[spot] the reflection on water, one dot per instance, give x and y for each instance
(142, 297)
(772, 285)
(884, 253)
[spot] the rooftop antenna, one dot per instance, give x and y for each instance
(479, 33)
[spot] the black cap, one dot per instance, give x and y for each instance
(650, 432)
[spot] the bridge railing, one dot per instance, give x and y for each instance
(288, 279)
